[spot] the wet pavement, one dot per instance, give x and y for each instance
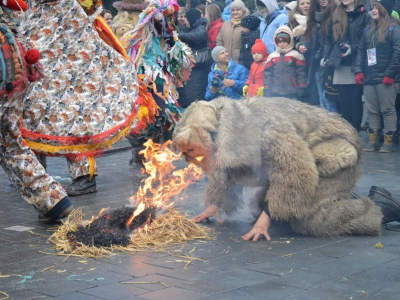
(290, 266)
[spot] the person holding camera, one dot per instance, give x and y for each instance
(226, 78)
(340, 51)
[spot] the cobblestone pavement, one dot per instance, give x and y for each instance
(289, 267)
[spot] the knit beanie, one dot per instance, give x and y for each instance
(251, 22)
(259, 47)
(216, 51)
(282, 37)
(238, 4)
(192, 15)
(387, 4)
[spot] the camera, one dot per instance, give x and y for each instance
(215, 82)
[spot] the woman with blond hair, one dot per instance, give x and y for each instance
(377, 68)
(215, 22)
(340, 50)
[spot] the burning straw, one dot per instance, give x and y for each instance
(137, 228)
(167, 229)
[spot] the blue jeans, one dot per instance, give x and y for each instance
(323, 102)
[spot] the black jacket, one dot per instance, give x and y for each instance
(248, 40)
(358, 19)
(196, 37)
(387, 56)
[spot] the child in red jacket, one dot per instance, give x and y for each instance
(255, 83)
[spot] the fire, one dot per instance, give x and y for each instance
(163, 181)
(200, 158)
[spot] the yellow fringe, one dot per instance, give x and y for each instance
(41, 147)
(91, 166)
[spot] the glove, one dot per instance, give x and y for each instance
(301, 93)
(267, 92)
(260, 91)
(323, 62)
(360, 78)
(345, 50)
(245, 89)
(387, 80)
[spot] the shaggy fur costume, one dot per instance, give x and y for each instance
(305, 159)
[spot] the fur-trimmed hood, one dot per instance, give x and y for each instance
(287, 30)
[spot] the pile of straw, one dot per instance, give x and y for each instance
(167, 229)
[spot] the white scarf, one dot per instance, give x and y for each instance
(302, 20)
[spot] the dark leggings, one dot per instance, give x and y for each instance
(351, 106)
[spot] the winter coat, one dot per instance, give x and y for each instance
(314, 53)
(256, 77)
(236, 72)
(358, 19)
(387, 56)
(230, 37)
(248, 40)
(285, 69)
(195, 88)
(213, 32)
(275, 19)
(196, 37)
(226, 13)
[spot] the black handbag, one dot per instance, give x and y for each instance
(331, 90)
(202, 57)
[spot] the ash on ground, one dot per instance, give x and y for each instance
(110, 228)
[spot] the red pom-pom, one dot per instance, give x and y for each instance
(15, 5)
(32, 56)
(32, 78)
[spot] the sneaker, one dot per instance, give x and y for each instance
(389, 206)
(81, 186)
(61, 210)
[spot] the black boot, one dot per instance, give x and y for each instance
(389, 206)
(61, 210)
(81, 186)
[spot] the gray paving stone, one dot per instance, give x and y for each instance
(269, 290)
(78, 296)
(54, 288)
(26, 294)
(324, 293)
(114, 291)
(158, 282)
(304, 280)
(172, 293)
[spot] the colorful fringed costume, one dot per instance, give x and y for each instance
(89, 99)
(18, 67)
(163, 62)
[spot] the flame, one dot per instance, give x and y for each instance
(200, 158)
(163, 181)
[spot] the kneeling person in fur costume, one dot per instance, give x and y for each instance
(305, 160)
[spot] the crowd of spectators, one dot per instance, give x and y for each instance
(330, 53)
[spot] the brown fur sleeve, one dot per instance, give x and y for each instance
(292, 173)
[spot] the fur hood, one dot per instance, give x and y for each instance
(287, 30)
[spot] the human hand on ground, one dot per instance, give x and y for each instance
(261, 227)
(210, 211)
